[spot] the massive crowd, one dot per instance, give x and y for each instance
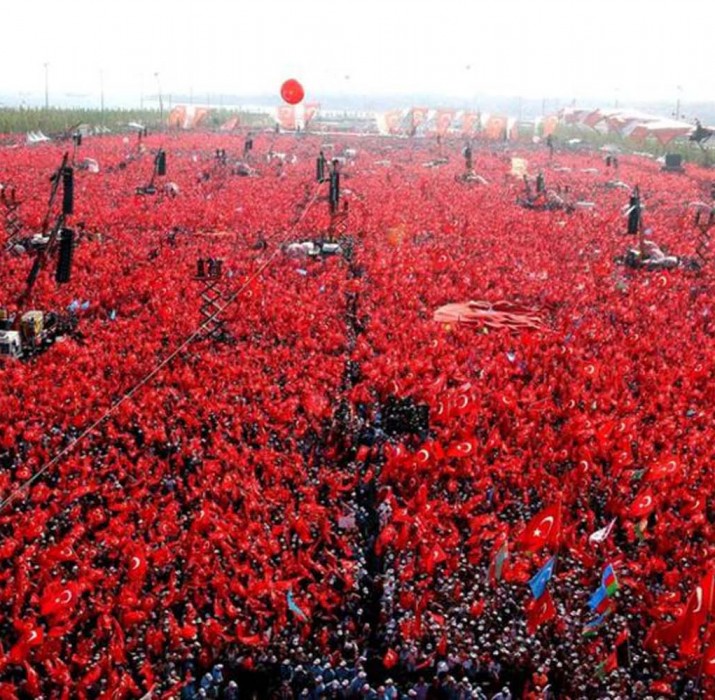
(344, 490)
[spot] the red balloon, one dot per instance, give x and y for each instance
(292, 92)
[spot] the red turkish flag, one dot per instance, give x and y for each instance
(693, 508)
(643, 504)
(430, 453)
(465, 448)
(32, 681)
(461, 405)
(709, 659)
(390, 659)
(542, 530)
(664, 469)
(539, 611)
(701, 605)
(137, 567)
(58, 600)
(434, 555)
(31, 636)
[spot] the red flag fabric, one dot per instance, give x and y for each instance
(58, 600)
(539, 611)
(642, 505)
(137, 567)
(664, 469)
(461, 449)
(443, 120)
(31, 636)
(390, 659)
(701, 605)
(544, 529)
(709, 659)
(419, 116)
(435, 555)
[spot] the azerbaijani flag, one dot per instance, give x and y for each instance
(609, 580)
(590, 628)
(608, 587)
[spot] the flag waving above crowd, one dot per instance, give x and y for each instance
(332, 409)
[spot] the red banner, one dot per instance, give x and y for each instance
(230, 125)
(285, 116)
(549, 125)
(311, 109)
(495, 128)
(419, 116)
(393, 120)
(199, 117)
(593, 118)
(470, 123)
(177, 117)
(443, 120)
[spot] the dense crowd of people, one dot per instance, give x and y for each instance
(343, 497)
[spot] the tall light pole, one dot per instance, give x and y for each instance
(677, 102)
(47, 86)
(101, 93)
(161, 99)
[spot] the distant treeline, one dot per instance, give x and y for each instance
(59, 121)
(690, 151)
(55, 120)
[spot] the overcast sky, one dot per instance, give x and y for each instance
(629, 49)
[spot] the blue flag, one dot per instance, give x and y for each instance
(293, 607)
(590, 628)
(541, 578)
(598, 599)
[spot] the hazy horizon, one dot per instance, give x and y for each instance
(606, 53)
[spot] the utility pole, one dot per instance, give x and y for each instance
(47, 86)
(161, 99)
(101, 93)
(677, 102)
